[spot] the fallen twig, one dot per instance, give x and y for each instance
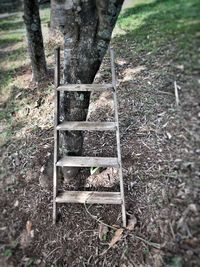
(52, 252)
(97, 219)
(176, 93)
(163, 92)
(172, 230)
(152, 244)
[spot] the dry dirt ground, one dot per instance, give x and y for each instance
(160, 153)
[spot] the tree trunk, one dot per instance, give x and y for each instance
(87, 27)
(35, 39)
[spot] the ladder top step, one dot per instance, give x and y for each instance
(87, 162)
(89, 197)
(85, 87)
(87, 126)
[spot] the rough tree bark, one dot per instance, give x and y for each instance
(35, 39)
(87, 26)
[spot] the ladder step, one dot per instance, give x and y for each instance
(85, 87)
(86, 125)
(87, 162)
(89, 197)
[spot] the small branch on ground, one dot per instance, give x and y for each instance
(176, 93)
(97, 219)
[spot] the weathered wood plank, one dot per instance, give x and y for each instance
(86, 126)
(85, 87)
(88, 162)
(56, 133)
(89, 197)
(114, 83)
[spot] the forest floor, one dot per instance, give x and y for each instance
(157, 46)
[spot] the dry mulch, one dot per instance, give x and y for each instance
(160, 153)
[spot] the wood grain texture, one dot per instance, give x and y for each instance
(86, 126)
(89, 197)
(88, 162)
(56, 133)
(114, 83)
(85, 87)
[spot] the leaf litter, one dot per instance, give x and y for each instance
(158, 189)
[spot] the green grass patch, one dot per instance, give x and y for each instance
(45, 13)
(9, 39)
(12, 33)
(152, 26)
(14, 60)
(13, 23)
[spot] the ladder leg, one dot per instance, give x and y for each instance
(118, 138)
(123, 200)
(56, 133)
(55, 194)
(54, 211)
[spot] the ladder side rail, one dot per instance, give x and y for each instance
(56, 133)
(118, 135)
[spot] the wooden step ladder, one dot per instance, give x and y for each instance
(92, 197)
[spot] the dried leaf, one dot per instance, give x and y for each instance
(169, 136)
(16, 204)
(180, 223)
(131, 223)
(192, 207)
(42, 169)
(117, 236)
(25, 239)
(29, 227)
(32, 234)
(103, 230)
(27, 235)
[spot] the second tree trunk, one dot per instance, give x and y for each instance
(35, 39)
